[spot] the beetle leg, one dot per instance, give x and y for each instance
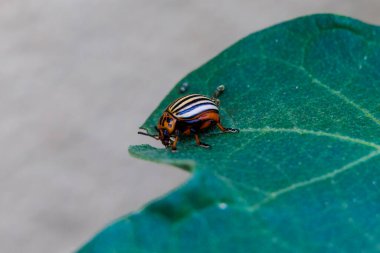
(174, 144)
(226, 130)
(199, 143)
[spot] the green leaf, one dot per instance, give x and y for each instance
(303, 174)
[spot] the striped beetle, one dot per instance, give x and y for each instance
(189, 115)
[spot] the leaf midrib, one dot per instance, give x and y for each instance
(312, 132)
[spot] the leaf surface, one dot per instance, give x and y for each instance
(302, 175)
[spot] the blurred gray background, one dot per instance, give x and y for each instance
(78, 77)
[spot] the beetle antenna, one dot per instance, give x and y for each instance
(150, 135)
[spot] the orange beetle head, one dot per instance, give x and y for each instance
(166, 127)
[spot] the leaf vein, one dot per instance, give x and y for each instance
(314, 80)
(336, 93)
(366, 113)
(295, 186)
(312, 132)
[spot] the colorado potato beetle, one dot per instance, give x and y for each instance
(187, 115)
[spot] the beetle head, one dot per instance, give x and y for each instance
(166, 127)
